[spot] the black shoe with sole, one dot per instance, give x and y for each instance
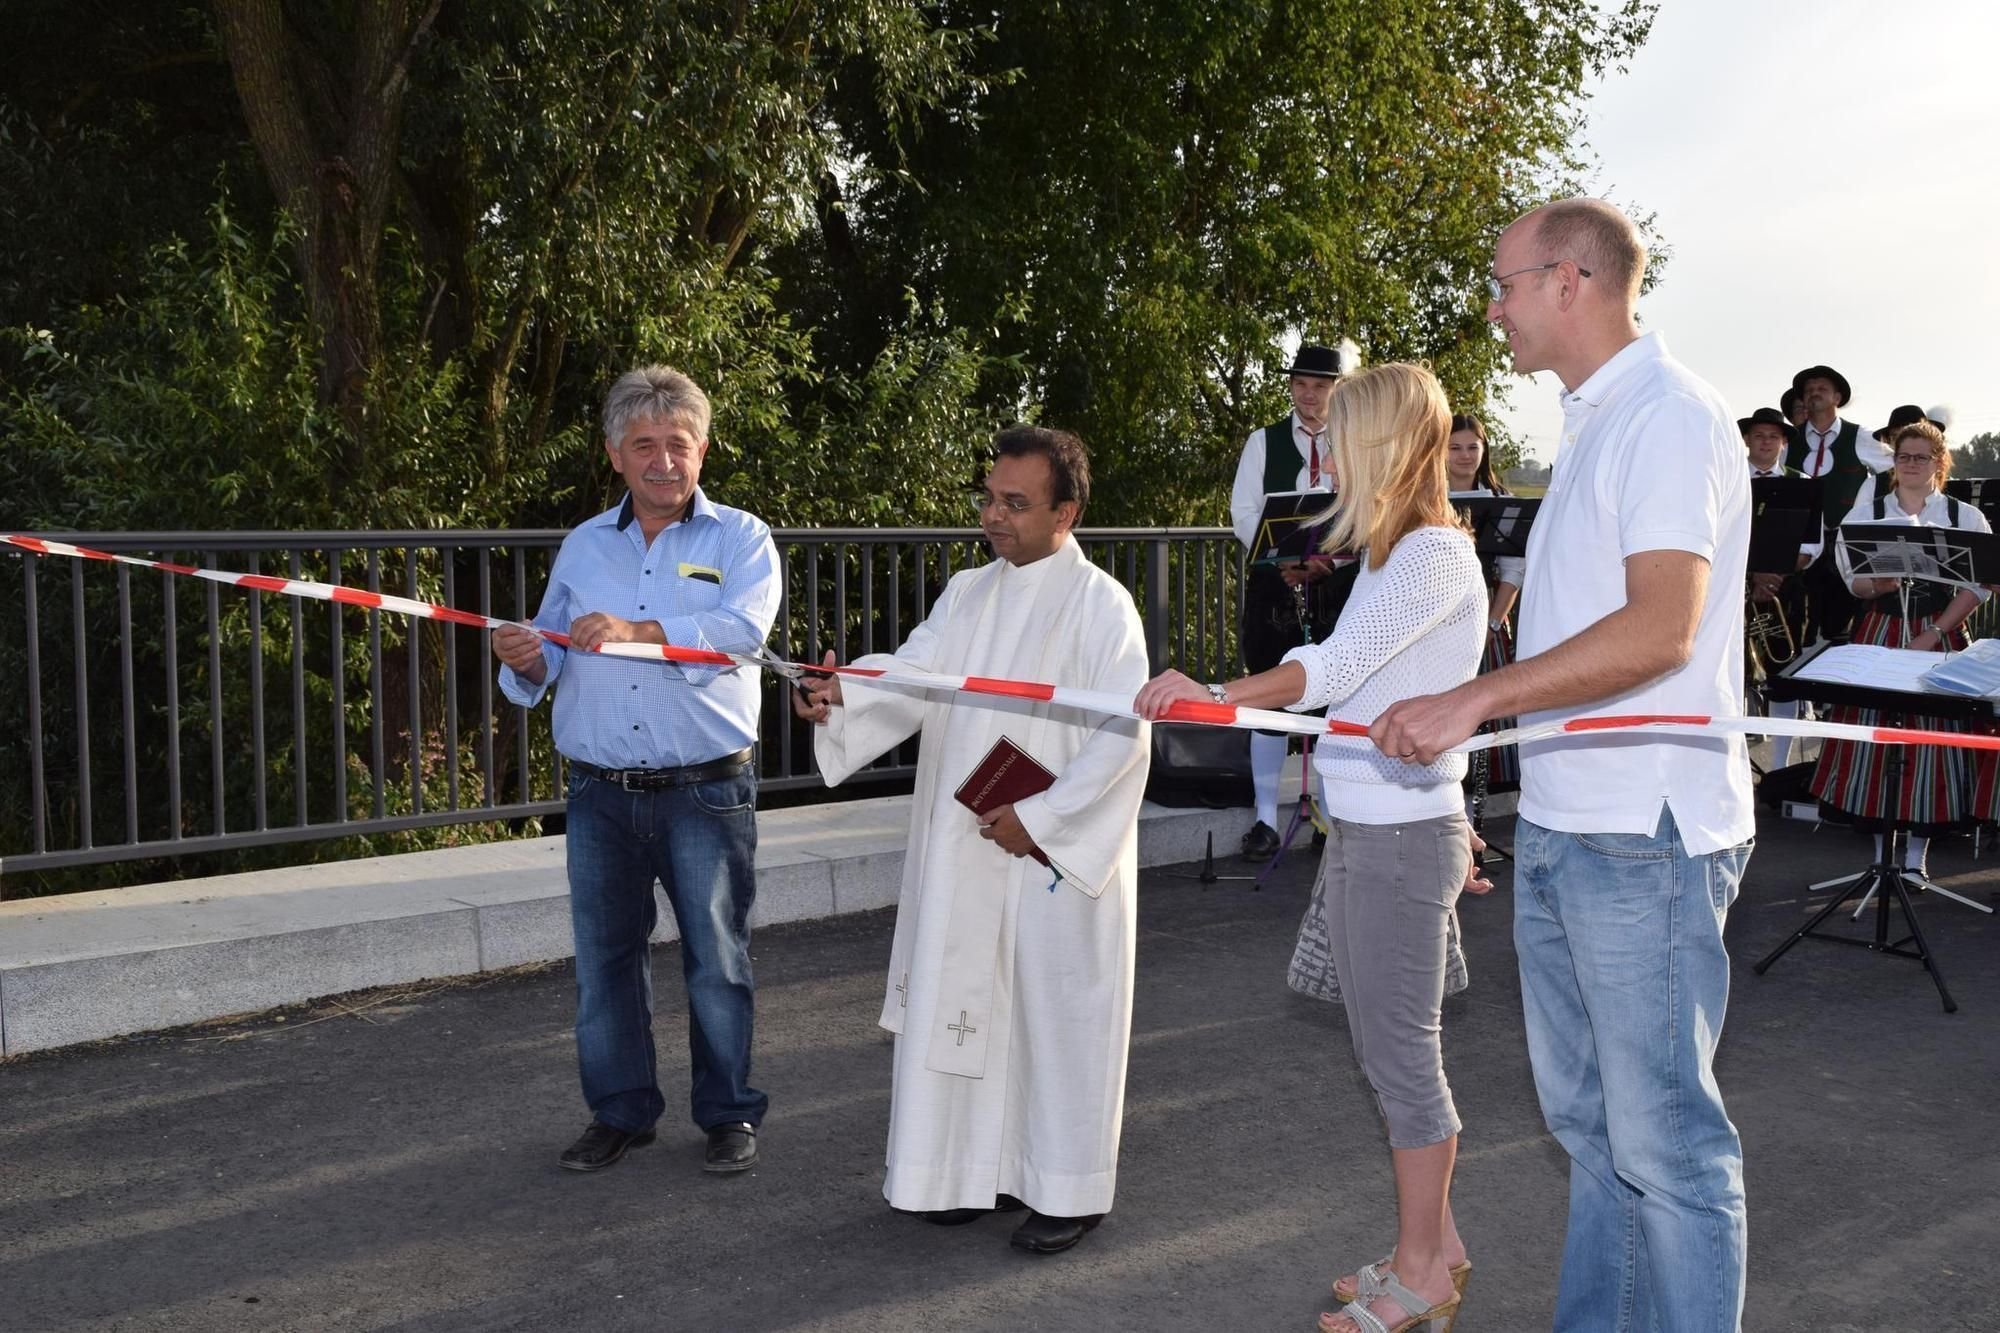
(1052, 1235)
(731, 1147)
(1261, 842)
(601, 1146)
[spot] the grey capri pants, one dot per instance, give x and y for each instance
(1389, 891)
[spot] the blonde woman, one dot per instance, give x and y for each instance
(1399, 848)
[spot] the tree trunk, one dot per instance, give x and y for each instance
(332, 166)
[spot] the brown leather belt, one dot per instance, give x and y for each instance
(661, 779)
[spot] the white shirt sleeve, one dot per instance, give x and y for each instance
(1874, 455)
(1667, 487)
(1863, 512)
(1510, 569)
(1246, 496)
(1431, 573)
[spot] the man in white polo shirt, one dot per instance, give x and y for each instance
(1630, 847)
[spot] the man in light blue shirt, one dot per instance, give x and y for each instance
(661, 783)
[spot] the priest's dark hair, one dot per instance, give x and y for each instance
(1069, 461)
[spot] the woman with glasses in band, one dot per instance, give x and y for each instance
(1398, 849)
(1935, 792)
(1469, 467)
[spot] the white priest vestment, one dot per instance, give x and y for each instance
(1009, 991)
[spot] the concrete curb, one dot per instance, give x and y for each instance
(87, 966)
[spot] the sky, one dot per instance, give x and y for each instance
(1827, 174)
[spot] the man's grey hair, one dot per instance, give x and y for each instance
(655, 393)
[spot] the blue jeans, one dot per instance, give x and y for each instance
(1624, 980)
(700, 842)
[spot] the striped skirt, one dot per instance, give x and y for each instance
(1935, 793)
(1503, 765)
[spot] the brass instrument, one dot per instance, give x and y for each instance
(1769, 641)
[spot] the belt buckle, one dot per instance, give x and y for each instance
(625, 780)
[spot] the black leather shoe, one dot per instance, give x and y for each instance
(1053, 1235)
(731, 1148)
(601, 1146)
(1261, 842)
(958, 1217)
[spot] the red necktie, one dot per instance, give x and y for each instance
(1312, 459)
(1819, 453)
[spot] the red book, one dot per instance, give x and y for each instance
(1004, 776)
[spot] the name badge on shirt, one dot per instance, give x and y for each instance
(702, 573)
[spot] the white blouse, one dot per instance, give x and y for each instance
(1415, 626)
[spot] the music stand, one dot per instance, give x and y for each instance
(1286, 532)
(1982, 493)
(1288, 535)
(1500, 526)
(1883, 551)
(1784, 516)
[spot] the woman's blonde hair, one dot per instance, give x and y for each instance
(1389, 426)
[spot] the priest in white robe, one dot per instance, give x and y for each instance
(1010, 982)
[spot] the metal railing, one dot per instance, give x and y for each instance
(155, 716)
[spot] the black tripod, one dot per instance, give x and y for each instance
(1884, 879)
(1887, 877)
(1307, 810)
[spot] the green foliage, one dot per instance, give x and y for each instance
(1978, 456)
(1141, 205)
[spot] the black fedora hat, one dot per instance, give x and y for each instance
(1326, 362)
(1763, 416)
(1828, 373)
(1908, 414)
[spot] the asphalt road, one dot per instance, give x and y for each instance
(388, 1162)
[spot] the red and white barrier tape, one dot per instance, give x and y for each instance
(1094, 701)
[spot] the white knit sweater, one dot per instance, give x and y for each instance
(1415, 626)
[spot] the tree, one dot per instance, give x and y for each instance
(1140, 204)
(873, 228)
(1978, 456)
(480, 213)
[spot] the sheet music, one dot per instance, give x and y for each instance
(1974, 672)
(1873, 666)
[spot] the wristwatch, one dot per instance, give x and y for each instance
(1219, 693)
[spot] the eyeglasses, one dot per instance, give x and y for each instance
(1916, 458)
(981, 502)
(1497, 287)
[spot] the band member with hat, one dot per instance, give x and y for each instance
(1765, 433)
(1833, 450)
(1909, 414)
(1289, 455)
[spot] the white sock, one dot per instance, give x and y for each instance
(1267, 761)
(1913, 854)
(1878, 847)
(1781, 746)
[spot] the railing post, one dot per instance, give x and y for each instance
(1157, 624)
